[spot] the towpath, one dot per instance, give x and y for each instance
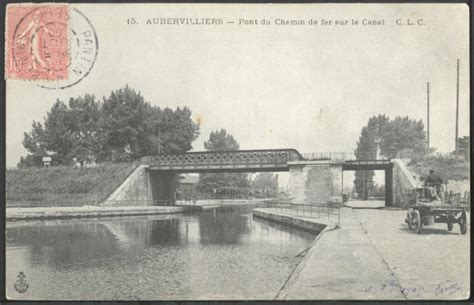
(374, 256)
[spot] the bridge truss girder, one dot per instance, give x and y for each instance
(224, 161)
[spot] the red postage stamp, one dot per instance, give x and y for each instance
(37, 44)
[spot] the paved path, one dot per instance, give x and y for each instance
(374, 256)
(433, 264)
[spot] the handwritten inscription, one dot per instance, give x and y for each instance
(392, 284)
(445, 288)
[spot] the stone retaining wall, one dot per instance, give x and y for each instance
(135, 190)
(79, 212)
(315, 226)
(403, 183)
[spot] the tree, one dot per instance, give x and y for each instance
(35, 144)
(368, 147)
(172, 131)
(52, 138)
(83, 125)
(123, 127)
(266, 184)
(125, 115)
(372, 138)
(387, 138)
(220, 140)
(133, 128)
(403, 136)
(68, 132)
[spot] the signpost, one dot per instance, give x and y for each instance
(47, 161)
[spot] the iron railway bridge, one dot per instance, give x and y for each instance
(225, 161)
(251, 160)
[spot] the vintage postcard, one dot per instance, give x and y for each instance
(237, 151)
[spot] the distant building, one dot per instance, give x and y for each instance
(463, 148)
(187, 186)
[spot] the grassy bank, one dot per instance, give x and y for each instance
(64, 185)
(446, 168)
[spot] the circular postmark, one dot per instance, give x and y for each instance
(54, 46)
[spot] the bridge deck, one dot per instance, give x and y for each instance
(241, 160)
(245, 161)
(221, 168)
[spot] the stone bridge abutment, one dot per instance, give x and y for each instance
(315, 182)
(145, 187)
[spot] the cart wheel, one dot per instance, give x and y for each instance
(417, 221)
(463, 223)
(410, 219)
(450, 226)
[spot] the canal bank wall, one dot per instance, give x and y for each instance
(307, 224)
(314, 225)
(13, 214)
(61, 212)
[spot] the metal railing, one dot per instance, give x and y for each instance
(352, 156)
(329, 211)
(335, 156)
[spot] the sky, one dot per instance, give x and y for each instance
(308, 87)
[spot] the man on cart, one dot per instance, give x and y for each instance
(434, 210)
(433, 185)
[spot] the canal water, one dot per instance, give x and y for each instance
(216, 254)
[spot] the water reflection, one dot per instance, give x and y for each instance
(64, 244)
(217, 254)
(164, 232)
(225, 225)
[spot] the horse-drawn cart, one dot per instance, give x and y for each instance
(426, 213)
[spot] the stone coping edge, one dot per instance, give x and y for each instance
(292, 279)
(296, 222)
(302, 224)
(93, 213)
